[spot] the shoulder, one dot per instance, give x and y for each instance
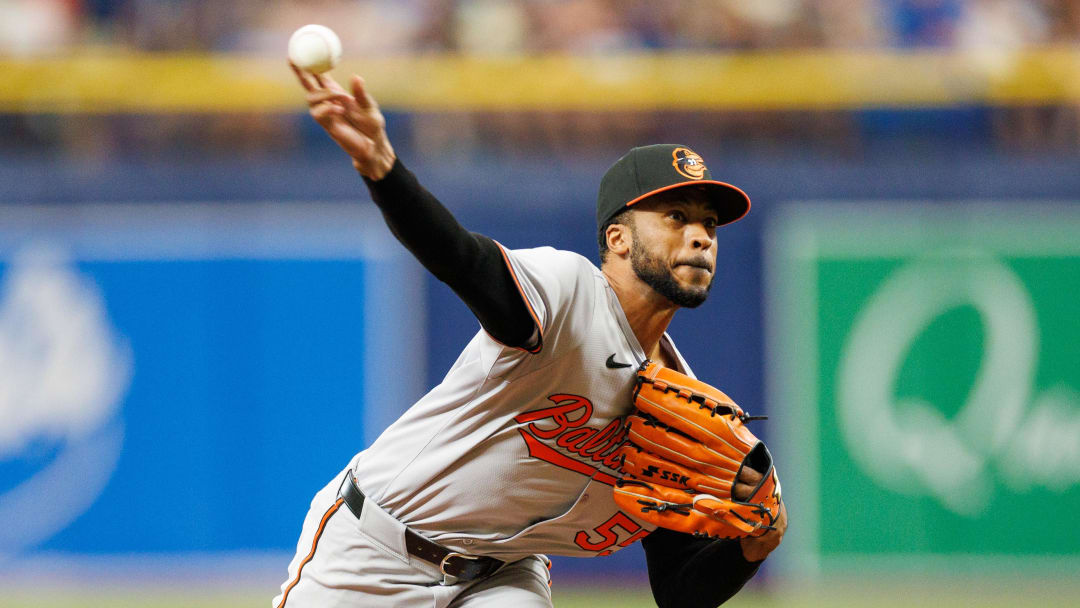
(552, 281)
(549, 264)
(549, 255)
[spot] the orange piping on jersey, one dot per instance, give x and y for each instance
(315, 543)
(528, 305)
(694, 183)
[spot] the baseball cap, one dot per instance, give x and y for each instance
(649, 170)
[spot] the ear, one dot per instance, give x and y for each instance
(619, 239)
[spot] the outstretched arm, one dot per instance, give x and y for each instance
(471, 264)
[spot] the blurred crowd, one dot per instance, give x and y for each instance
(529, 26)
(31, 28)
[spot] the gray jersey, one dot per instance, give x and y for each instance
(512, 453)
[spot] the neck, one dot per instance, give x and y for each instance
(648, 312)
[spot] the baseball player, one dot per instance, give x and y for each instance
(513, 455)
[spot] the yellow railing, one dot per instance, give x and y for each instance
(120, 82)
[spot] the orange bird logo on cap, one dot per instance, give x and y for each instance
(688, 163)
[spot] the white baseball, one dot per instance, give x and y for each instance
(315, 48)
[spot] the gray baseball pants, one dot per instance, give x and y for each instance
(344, 561)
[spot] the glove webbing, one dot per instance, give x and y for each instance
(684, 508)
(704, 402)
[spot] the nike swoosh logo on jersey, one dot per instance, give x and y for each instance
(613, 364)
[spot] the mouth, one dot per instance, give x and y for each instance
(701, 264)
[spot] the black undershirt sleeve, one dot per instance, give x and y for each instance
(689, 572)
(471, 264)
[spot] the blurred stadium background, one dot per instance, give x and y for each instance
(202, 317)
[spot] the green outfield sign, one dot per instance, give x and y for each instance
(924, 370)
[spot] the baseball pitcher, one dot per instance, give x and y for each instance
(569, 425)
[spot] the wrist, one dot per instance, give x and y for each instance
(375, 169)
(752, 551)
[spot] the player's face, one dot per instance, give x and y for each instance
(674, 245)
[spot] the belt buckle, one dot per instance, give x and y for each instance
(450, 579)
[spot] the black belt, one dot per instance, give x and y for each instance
(460, 566)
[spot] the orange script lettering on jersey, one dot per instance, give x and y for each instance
(565, 422)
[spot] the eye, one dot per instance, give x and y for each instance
(711, 222)
(677, 215)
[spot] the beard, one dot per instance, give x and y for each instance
(657, 275)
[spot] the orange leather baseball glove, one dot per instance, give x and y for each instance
(688, 444)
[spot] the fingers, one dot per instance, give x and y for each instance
(302, 76)
(325, 89)
(325, 82)
(322, 95)
(745, 484)
(315, 82)
(325, 104)
(366, 101)
(352, 121)
(750, 476)
(331, 84)
(353, 110)
(331, 117)
(330, 108)
(325, 112)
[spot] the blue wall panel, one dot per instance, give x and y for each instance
(232, 359)
(233, 364)
(187, 392)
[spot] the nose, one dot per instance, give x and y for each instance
(700, 237)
